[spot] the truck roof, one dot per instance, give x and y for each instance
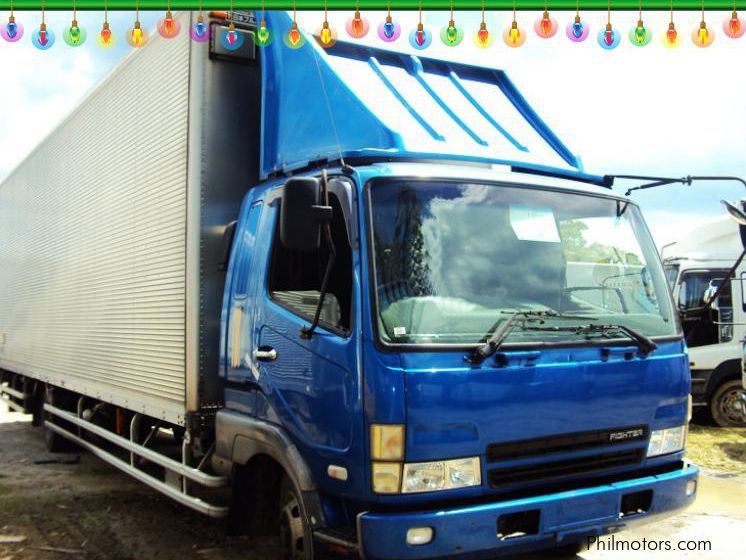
(353, 100)
(718, 240)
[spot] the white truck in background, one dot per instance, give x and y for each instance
(695, 266)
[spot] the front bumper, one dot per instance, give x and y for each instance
(564, 518)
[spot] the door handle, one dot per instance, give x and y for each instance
(265, 354)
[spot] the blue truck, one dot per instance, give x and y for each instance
(364, 300)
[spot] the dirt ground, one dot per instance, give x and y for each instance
(78, 508)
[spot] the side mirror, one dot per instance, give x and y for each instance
(301, 214)
(737, 213)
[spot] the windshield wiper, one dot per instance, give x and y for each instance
(501, 333)
(643, 342)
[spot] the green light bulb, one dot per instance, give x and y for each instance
(452, 32)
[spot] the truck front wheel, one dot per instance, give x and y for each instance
(725, 405)
(296, 537)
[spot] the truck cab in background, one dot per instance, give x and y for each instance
(696, 266)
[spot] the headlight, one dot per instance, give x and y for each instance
(667, 441)
(442, 475)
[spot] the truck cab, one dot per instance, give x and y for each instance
(417, 450)
(695, 266)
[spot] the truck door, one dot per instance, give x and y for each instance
(240, 332)
(705, 330)
(311, 384)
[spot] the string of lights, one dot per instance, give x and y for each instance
(357, 26)
(372, 5)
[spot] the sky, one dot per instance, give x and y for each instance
(633, 110)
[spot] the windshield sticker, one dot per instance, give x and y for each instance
(534, 223)
(400, 331)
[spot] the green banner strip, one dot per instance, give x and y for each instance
(502, 5)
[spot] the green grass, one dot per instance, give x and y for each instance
(719, 449)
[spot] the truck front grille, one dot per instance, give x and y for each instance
(564, 443)
(554, 470)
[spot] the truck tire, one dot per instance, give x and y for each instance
(296, 536)
(725, 405)
(54, 442)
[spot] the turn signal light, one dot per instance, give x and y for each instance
(387, 442)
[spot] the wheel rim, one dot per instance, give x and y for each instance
(730, 406)
(291, 531)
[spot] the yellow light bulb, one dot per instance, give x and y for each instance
(703, 36)
(136, 36)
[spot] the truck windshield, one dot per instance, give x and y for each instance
(453, 260)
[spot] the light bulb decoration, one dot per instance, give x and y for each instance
(671, 36)
(483, 38)
(168, 26)
(546, 26)
(136, 36)
(703, 36)
(75, 35)
(388, 30)
(421, 37)
(451, 35)
(326, 36)
(105, 38)
(12, 31)
(231, 38)
(640, 35)
(733, 26)
(263, 36)
(294, 39)
(609, 38)
(42, 38)
(357, 26)
(514, 36)
(577, 31)
(199, 31)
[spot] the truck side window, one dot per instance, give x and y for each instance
(694, 285)
(246, 251)
(295, 278)
(717, 327)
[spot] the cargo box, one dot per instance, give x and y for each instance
(111, 231)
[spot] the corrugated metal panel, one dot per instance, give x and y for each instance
(93, 241)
